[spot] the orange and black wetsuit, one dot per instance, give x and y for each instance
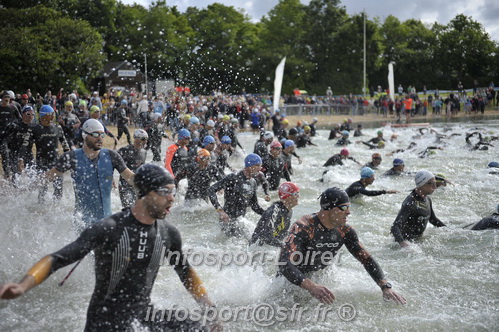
(128, 255)
(311, 246)
(177, 158)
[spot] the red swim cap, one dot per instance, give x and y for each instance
(344, 152)
(288, 189)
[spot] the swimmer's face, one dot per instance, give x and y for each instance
(94, 143)
(158, 203)
(429, 187)
(254, 170)
(339, 214)
(275, 152)
(370, 180)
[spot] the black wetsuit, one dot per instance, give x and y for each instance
(261, 149)
(239, 193)
(68, 120)
(303, 140)
(15, 135)
(491, 222)
(413, 218)
(128, 255)
(336, 160)
(357, 188)
(273, 225)
(8, 114)
(198, 180)
(393, 172)
(122, 122)
(370, 165)
(318, 245)
(343, 141)
(274, 169)
(133, 159)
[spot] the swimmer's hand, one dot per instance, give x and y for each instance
(224, 217)
(321, 293)
(392, 191)
(267, 198)
(404, 244)
(389, 294)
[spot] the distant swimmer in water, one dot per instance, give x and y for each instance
(493, 167)
(343, 141)
(416, 211)
(441, 180)
(411, 146)
(366, 179)
(274, 224)
(337, 159)
(375, 161)
(397, 169)
(481, 145)
(490, 222)
(316, 238)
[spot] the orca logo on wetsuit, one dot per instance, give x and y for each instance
(328, 245)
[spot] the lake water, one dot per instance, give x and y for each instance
(449, 277)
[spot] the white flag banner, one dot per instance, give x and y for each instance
(391, 81)
(279, 73)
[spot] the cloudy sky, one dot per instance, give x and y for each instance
(484, 11)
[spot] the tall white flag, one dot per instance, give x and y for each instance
(279, 73)
(391, 81)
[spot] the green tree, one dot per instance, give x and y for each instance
(43, 49)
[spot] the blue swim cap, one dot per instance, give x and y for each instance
(194, 120)
(493, 164)
(252, 159)
(398, 162)
(289, 143)
(366, 172)
(208, 139)
(345, 133)
(46, 109)
(184, 133)
(226, 140)
(124, 102)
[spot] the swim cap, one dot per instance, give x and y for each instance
(366, 172)
(184, 133)
(268, 135)
(293, 131)
(94, 108)
(306, 128)
(277, 111)
(194, 120)
(210, 123)
(203, 153)
(344, 152)
(493, 164)
(299, 123)
(46, 110)
(72, 96)
(149, 177)
(285, 121)
(68, 103)
(226, 117)
(252, 159)
(275, 145)
(82, 103)
(314, 120)
(376, 156)
(140, 133)
(333, 197)
(422, 177)
(345, 133)
(208, 139)
(289, 143)
(220, 116)
(381, 144)
(27, 108)
(379, 132)
(288, 189)
(91, 126)
(234, 120)
(124, 102)
(187, 116)
(226, 140)
(398, 162)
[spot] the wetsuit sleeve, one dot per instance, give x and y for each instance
(62, 139)
(64, 163)
(269, 218)
(433, 218)
(296, 242)
(366, 192)
(117, 161)
(255, 206)
(329, 162)
(371, 146)
(90, 238)
(170, 152)
(285, 173)
(185, 272)
(362, 255)
(212, 191)
(401, 219)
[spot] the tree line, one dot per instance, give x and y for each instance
(64, 43)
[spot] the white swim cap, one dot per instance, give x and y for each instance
(90, 126)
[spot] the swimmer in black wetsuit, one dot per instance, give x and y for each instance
(273, 166)
(337, 159)
(375, 161)
(397, 169)
(134, 156)
(416, 211)
(239, 193)
(274, 223)
(366, 179)
(315, 239)
(199, 176)
(490, 222)
(129, 248)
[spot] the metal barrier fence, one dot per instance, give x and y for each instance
(327, 109)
